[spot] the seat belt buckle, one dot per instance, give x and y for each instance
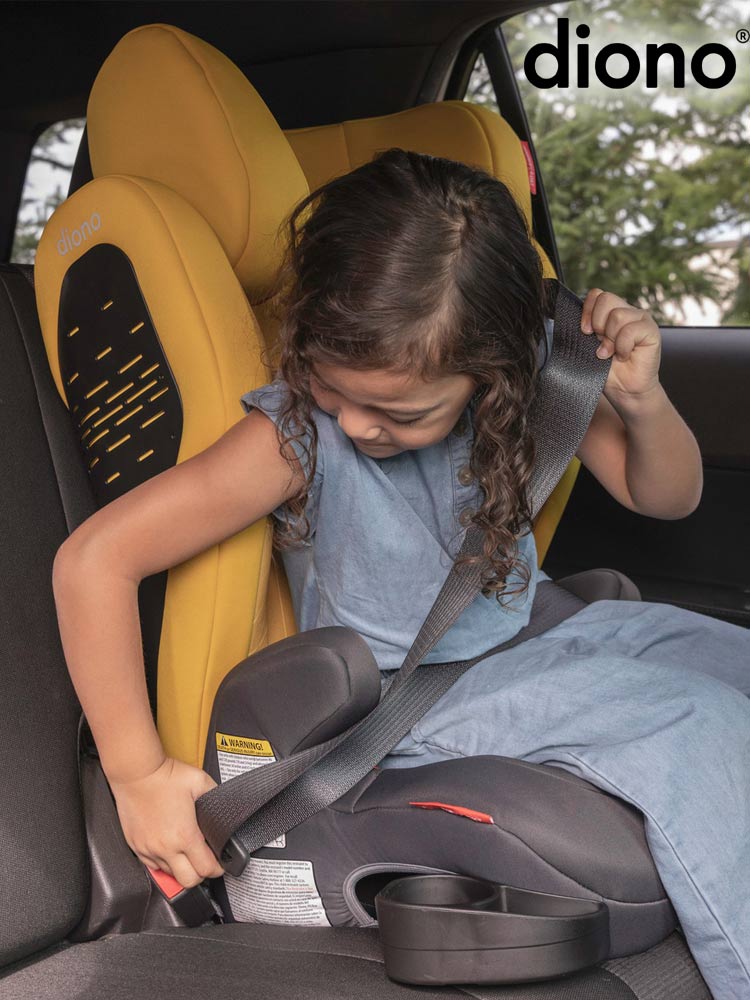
(193, 905)
(234, 857)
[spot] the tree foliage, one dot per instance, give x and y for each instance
(641, 181)
(35, 211)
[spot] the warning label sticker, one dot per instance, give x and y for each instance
(243, 745)
(237, 754)
(271, 891)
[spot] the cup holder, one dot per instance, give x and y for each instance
(443, 929)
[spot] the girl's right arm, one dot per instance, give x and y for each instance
(157, 525)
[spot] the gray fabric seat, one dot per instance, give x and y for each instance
(45, 877)
(601, 585)
(243, 960)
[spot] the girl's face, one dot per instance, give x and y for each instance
(386, 412)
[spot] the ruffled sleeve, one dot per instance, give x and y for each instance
(269, 399)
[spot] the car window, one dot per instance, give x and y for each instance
(46, 184)
(647, 186)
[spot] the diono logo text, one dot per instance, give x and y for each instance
(654, 53)
(70, 238)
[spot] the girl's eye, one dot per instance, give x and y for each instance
(405, 423)
(322, 388)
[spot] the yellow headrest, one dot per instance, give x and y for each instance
(169, 107)
(457, 130)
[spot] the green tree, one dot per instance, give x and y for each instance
(640, 181)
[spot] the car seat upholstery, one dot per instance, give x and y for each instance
(179, 316)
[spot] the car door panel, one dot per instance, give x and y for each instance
(701, 562)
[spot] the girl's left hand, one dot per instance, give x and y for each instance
(629, 336)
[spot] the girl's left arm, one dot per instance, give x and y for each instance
(637, 445)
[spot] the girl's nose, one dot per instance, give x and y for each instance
(357, 423)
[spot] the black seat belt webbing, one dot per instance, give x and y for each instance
(261, 804)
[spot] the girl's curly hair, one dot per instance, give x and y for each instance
(419, 264)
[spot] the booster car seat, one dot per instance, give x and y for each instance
(145, 280)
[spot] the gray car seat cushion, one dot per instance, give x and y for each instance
(276, 963)
(601, 584)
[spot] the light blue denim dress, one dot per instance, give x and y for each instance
(644, 700)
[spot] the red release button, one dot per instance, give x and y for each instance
(478, 817)
(167, 883)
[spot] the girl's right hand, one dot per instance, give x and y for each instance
(157, 814)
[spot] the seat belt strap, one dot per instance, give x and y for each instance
(261, 804)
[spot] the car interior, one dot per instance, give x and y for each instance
(205, 125)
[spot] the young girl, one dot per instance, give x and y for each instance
(412, 330)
